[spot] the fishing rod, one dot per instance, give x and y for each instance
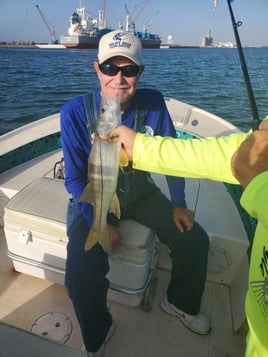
(252, 102)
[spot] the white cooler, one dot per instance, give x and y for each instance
(35, 230)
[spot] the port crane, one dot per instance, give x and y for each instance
(50, 28)
(146, 26)
(130, 22)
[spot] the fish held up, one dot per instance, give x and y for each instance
(103, 164)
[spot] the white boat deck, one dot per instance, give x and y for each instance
(23, 299)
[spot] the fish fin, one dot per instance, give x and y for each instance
(92, 238)
(123, 158)
(115, 206)
(85, 195)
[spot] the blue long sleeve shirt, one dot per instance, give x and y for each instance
(76, 141)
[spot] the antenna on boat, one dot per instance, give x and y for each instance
(253, 106)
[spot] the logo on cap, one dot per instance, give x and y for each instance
(118, 36)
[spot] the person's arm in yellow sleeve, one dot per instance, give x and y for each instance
(196, 158)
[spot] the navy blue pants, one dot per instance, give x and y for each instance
(86, 271)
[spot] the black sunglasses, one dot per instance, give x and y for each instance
(127, 71)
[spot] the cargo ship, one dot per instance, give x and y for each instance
(85, 31)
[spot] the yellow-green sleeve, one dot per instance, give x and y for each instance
(255, 198)
(196, 158)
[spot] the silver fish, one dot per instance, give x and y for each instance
(103, 165)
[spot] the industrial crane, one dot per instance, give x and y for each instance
(146, 26)
(130, 25)
(50, 28)
(141, 10)
(130, 21)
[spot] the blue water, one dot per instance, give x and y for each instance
(35, 83)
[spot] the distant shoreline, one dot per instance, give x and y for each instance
(17, 45)
(31, 45)
(162, 46)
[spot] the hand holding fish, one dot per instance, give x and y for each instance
(126, 136)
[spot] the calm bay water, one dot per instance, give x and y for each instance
(35, 83)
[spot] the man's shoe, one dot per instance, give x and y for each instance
(197, 323)
(100, 351)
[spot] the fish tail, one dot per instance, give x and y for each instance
(92, 239)
(105, 241)
(102, 238)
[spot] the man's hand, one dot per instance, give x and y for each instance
(115, 237)
(183, 218)
(251, 158)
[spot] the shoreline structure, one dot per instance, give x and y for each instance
(25, 44)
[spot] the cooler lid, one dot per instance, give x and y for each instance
(44, 197)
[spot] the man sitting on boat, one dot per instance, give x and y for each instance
(119, 68)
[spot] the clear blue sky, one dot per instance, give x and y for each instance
(187, 20)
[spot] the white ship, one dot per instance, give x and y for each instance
(84, 30)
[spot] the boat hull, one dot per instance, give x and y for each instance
(80, 41)
(148, 40)
(49, 46)
(92, 42)
(150, 43)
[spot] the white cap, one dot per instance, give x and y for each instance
(120, 43)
